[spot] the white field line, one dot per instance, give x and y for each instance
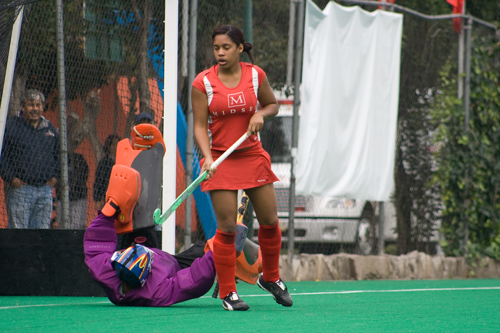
(47, 305)
(293, 294)
(375, 291)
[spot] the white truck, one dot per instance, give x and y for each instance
(321, 224)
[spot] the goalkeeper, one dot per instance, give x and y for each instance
(144, 276)
(138, 275)
(141, 276)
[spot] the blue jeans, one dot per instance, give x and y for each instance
(29, 207)
(77, 214)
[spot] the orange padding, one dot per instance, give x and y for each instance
(146, 136)
(124, 190)
(245, 270)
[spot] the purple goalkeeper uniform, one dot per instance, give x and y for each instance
(166, 284)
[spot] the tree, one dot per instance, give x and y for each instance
(426, 47)
(469, 172)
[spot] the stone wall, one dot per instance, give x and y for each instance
(413, 266)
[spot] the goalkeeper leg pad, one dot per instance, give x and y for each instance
(248, 261)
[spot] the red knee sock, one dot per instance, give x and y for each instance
(224, 253)
(270, 246)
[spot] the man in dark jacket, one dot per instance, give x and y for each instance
(29, 164)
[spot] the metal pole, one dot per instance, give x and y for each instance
(9, 73)
(247, 26)
(63, 142)
(468, 32)
(248, 34)
(381, 220)
(295, 129)
(384, 2)
(381, 210)
(170, 75)
(193, 21)
(460, 80)
(460, 88)
(248, 22)
(291, 37)
(184, 37)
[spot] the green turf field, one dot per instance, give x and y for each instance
(333, 306)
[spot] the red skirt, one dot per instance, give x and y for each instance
(241, 170)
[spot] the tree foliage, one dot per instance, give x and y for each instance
(427, 46)
(469, 168)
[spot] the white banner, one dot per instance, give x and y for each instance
(349, 102)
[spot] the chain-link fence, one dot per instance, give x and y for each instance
(112, 52)
(114, 55)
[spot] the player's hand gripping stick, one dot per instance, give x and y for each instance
(159, 218)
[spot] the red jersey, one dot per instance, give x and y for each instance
(230, 109)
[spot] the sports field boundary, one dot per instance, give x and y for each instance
(412, 266)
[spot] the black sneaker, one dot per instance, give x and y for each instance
(233, 302)
(278, 290)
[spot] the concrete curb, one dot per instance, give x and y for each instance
(412, 266)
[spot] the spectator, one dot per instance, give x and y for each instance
(104, 170)
(143, 118)
(29, 164)
(78, 171)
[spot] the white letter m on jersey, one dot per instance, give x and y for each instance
(237, 99)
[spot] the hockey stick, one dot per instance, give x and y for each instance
(159, 218)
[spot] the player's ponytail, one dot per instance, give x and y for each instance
(247, 47)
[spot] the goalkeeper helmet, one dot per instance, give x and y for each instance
(133, 264)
